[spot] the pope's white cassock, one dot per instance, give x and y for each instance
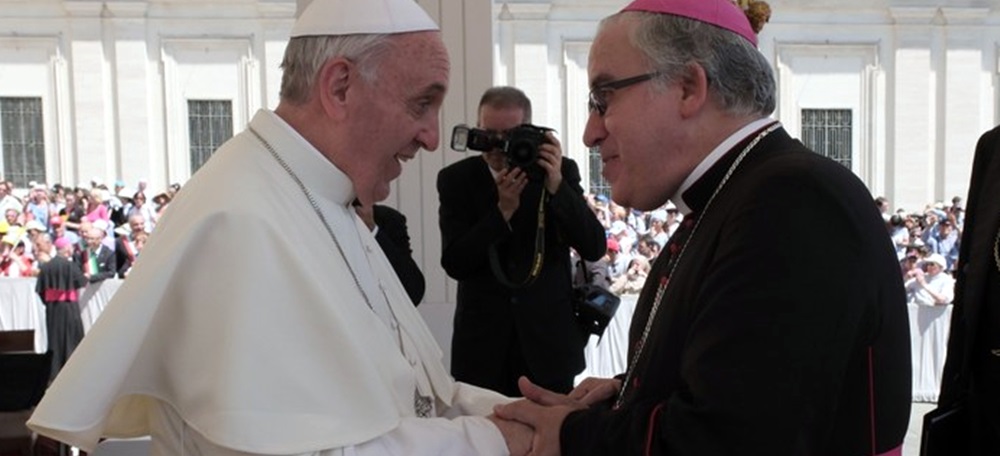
(245, 328)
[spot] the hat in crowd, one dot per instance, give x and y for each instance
(601, 198)
(99, 195)
(670, 206)
(613, 246)
(101, 224)
(123, 230)
(11, 238)
(34, 225)
(720, 13)
(350, 17)
(126, 193)
(56, 221)
(659, 215)
(38, 186)
(62, 243)
(618, 227)
(937, 259)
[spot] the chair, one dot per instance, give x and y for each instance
(24, 375)
(123, 447)
(18, 340)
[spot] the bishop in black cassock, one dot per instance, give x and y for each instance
(774, 322)
(59, 282)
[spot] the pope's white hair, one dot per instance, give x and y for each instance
(304, 56)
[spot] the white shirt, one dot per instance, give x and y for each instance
(941, 283)
(244, 328)
(713, 157)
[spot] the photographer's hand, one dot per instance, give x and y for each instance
(550, 159)
(510, 183)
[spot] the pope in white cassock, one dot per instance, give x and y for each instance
(263, 318)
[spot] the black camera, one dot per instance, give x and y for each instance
(594, 308)
(519, 145)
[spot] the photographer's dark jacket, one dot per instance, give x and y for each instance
(781, 331)
(491, 320)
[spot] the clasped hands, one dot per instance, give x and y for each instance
(530, 426)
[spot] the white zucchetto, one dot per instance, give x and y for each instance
(349, 17)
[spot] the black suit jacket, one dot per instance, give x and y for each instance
(787, 292)
(971, 370)
(539, 316)
(106, 266)
(123, 259)
(394, 239)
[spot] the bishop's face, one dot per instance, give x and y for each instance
(640, 132)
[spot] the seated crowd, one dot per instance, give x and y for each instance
(109, 227)
(106, 227)
(927, 243)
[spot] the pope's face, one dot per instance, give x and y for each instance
(499, 120)
(640, 131)
(399, 112)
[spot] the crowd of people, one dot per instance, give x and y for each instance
(927, 242)
(106, 228)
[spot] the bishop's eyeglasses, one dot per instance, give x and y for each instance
(599, 93)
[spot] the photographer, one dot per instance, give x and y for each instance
(526, 326)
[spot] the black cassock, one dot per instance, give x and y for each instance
(58, 285)
(783, 330)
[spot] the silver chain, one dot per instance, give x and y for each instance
(658, 299)
(996, 251)
(316, 209)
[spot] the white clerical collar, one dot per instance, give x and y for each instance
(323, 178)
(714, 157)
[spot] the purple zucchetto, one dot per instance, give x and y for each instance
(720, 13)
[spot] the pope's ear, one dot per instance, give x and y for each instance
(332, 82)
(694, 86)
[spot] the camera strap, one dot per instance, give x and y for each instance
(536, 262)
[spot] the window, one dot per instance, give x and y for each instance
(210, 123)
(23, 140)
(598, 185)
(828, 133)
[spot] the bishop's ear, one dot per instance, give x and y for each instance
(694, 86)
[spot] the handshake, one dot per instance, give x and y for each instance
(530, 426)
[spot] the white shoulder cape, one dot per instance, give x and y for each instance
(242, 315)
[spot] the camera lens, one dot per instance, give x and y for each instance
(522, 153)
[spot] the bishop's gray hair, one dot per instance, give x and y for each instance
(305, 55)
(740, 79)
